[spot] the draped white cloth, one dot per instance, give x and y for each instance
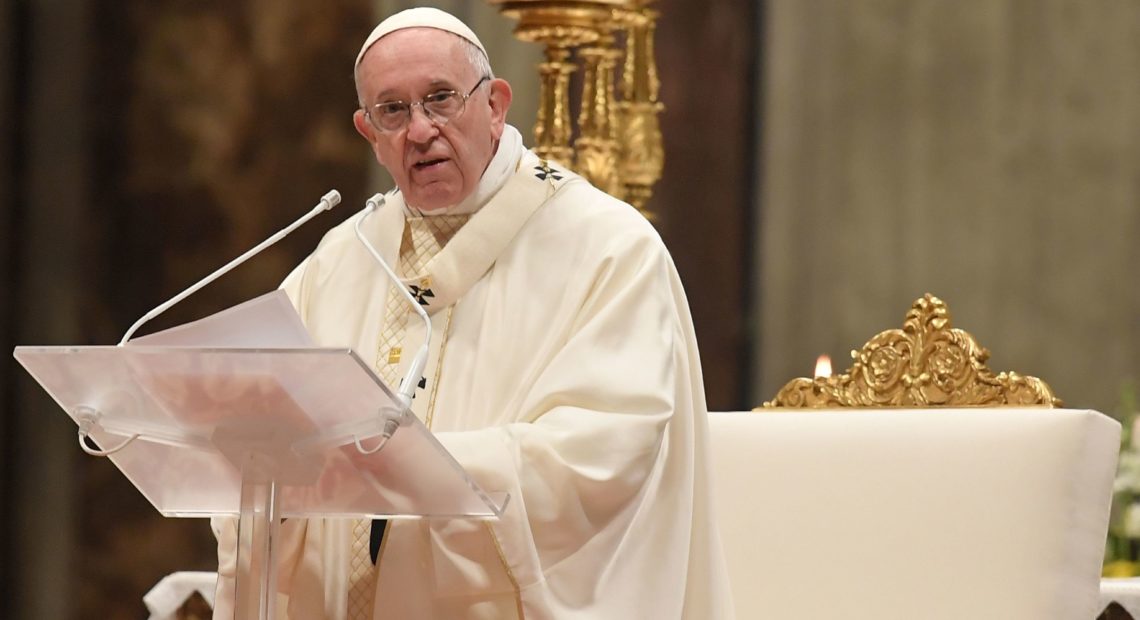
(1122, 591)
(564, 371)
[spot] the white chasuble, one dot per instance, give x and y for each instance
(564, 371)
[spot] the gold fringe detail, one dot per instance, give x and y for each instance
(507, 568)
(438, 368)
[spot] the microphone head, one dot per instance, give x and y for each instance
(375, 201)
(331, 199)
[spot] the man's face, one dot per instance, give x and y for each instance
(433, 166)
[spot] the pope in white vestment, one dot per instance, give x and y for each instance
(563, 371)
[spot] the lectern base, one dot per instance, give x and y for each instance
(256, 579)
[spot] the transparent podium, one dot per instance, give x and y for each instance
(262, 434)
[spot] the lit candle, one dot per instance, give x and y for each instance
(823, 367)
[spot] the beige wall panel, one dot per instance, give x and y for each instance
(986, 151)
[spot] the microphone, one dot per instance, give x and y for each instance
(327, 202)
(416, 369)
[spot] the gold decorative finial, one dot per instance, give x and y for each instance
(643, 151)
(619, 146)
(925, 364)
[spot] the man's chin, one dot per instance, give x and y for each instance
(432, 200)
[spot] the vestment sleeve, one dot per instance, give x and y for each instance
(586, 461)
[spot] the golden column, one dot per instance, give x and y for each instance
(597, 144)
(560, 29)
(618, 143)
(643, 154)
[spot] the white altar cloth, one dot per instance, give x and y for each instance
(1124, 592)
(164, 599)
(936, 514)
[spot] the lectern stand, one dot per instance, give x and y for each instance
(263, 434)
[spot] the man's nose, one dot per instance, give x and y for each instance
(420, 126)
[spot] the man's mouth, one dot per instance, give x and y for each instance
(425, 164)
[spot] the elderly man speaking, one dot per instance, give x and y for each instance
(564, 369)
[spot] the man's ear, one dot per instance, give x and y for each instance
(363, 127)
(500, 101)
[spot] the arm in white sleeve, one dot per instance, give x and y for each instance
(590, 452)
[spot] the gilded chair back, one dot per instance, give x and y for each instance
(927, 363)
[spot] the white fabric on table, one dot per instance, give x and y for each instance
(164, 599)
(934, 514)
(1125, 592)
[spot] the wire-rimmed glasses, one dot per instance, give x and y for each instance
(440, 107)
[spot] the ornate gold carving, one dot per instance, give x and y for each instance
(643, 154)
(926, 363)
(597, 145)
(596, 160)
(560, 29)
(619, 146)
(639, 78)
(552, 131)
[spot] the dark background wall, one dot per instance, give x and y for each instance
(146, 143)
(708, 58)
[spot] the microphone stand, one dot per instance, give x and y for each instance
(327, 202)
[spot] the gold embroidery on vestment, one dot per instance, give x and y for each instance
(507, 568)
(438, 368)
(361, 573)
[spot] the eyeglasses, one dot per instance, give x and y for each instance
(440, 107)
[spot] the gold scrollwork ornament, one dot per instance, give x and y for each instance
(925, 364)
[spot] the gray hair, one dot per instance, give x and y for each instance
(478, 59)
(475, 56)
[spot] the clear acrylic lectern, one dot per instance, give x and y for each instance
(263, 434)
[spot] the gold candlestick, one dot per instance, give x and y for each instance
(597, 143)
(619, 146)
(560, 28)
(643, 153)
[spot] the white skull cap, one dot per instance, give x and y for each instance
(420, 17)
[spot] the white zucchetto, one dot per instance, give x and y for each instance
(420, 17)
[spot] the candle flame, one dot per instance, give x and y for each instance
(823, 366)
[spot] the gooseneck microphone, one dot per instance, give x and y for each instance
(328, 201)
(416, 368)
